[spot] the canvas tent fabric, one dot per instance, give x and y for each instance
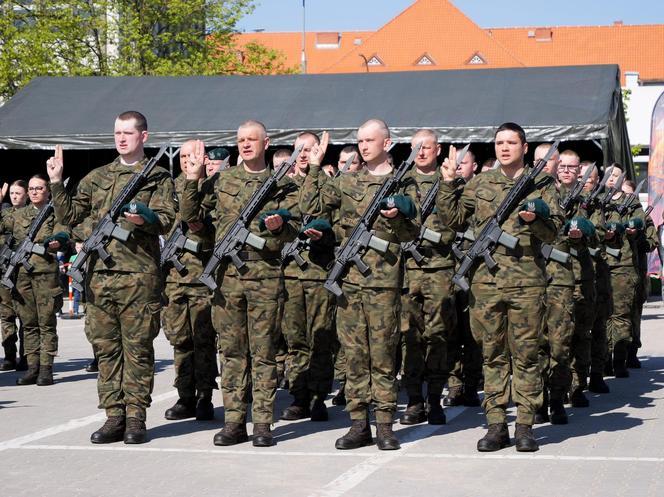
(567, 103)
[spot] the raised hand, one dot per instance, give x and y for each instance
(55, 166)
(196, 167)
(318, 151)
(449, 165)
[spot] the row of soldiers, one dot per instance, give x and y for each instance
(549, 324)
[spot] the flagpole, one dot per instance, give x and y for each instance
(304, 31)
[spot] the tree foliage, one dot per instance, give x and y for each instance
(126, 38)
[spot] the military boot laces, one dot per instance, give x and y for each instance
(435, 412)
(184, 408)
(524, 439)
(231, 434)
(30, 377)
(558, 414)
(45, 376)
(358, 436)
(454, 397)
(597, 384)
(112, 431)
(385, 437)
(135, 433)
(496, 438)
(319, 410)
(204, 407)
(578, 399)
(415, 412)
(340, 398)
(262, 436)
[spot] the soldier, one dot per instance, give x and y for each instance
(345, 154)
(368, 314)
(507, 304)
(467, 167)
(215, 158)
(11, 334)
(247, 302)
(309, 311)
(123, 296)
(187, 319)
(38, 295)
(428, 310)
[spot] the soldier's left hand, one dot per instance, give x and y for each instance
(137, 219)
(315, 235)
(527, 216)
(631, 231)
(389, 213)
(575, 233)
(609, 235)
(195, 227)
(274, 222)
(54, 245)
(318, 150)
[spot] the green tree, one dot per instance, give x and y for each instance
(126, 38)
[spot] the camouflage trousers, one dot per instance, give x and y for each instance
(557, 339)
(624, 281)
(121, 324)
(641, 296)
(246, 318)
(464, 349)
(510, 321)
(339, 356)
(38, 298)
(603, 309)
(10, 332)
(307, 326)
(584, 317)
(187, 324)
(368, 328)
(428, 316)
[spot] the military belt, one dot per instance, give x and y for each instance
(250, 255)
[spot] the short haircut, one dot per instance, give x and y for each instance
(512, 127)
(570, 153)
(545, 146)
(586, 163)
(141, 120)
(630, 183)
(282, 152)
(350, 149)
(428, 133)
(41, 177)
(20, 183)
(617, 166)
(251, 123)
(304, 134)
(381, 125)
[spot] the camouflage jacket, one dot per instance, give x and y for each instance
(346, 198)
(477, 203)
(561, 274)
(225, 197)
(193, 263)
(18, 223)
(625, 244)
(93, 199)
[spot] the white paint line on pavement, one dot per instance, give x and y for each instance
(357, 474)
(271, 453)
(74, 424)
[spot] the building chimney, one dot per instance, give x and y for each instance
(631, 79)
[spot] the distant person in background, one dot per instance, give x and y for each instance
(345, 154)
(216, 159)
(487, 165)
(467, 167)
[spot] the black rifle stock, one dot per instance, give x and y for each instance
(238, 234)
(361, 238)
(629, 198)
(173, 248)
(107, 228)
(575, 192)
(492, 234)
(588, 202)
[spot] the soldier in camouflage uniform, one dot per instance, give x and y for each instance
(11, 334)
(428, 309)
(247, 302)
(507, 304)
(187, 319)
(123, 295)
(38, 295)
(309, 312)
(368, 314)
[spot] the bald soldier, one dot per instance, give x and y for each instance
(368, 312)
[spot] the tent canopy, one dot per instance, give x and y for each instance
(569, 103)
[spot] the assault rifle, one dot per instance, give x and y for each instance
(173, 248)
(428, 205)
(568, 202)
(610, 192)
(492, 234)
(27, 247)
(238, 234)
(6, 252)
(108, 227)
(361, 238)
(654, 203)
(587, 203)
(629, 198)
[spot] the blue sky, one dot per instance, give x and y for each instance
(349, 15)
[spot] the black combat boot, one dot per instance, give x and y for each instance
(524, 439)
(542, 414)
(262, 436)
(633, 361)
(435, 412)
(9, 362)
(608, 367)
(415, 412)
(22, 364)
(30, 377)
(113, 430)
(184, 408)
(299, 409)
(385, 437)
(135, 432)
(204, 407)
(45, 377)
(319, 409)
(340, 398)
(231, 434)
(597, 384)
(558, 414)
(454, 397)
(470, 396)
(93, 366)
(620, 360)
(496, 438)
(577, 398)
(358, 436)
